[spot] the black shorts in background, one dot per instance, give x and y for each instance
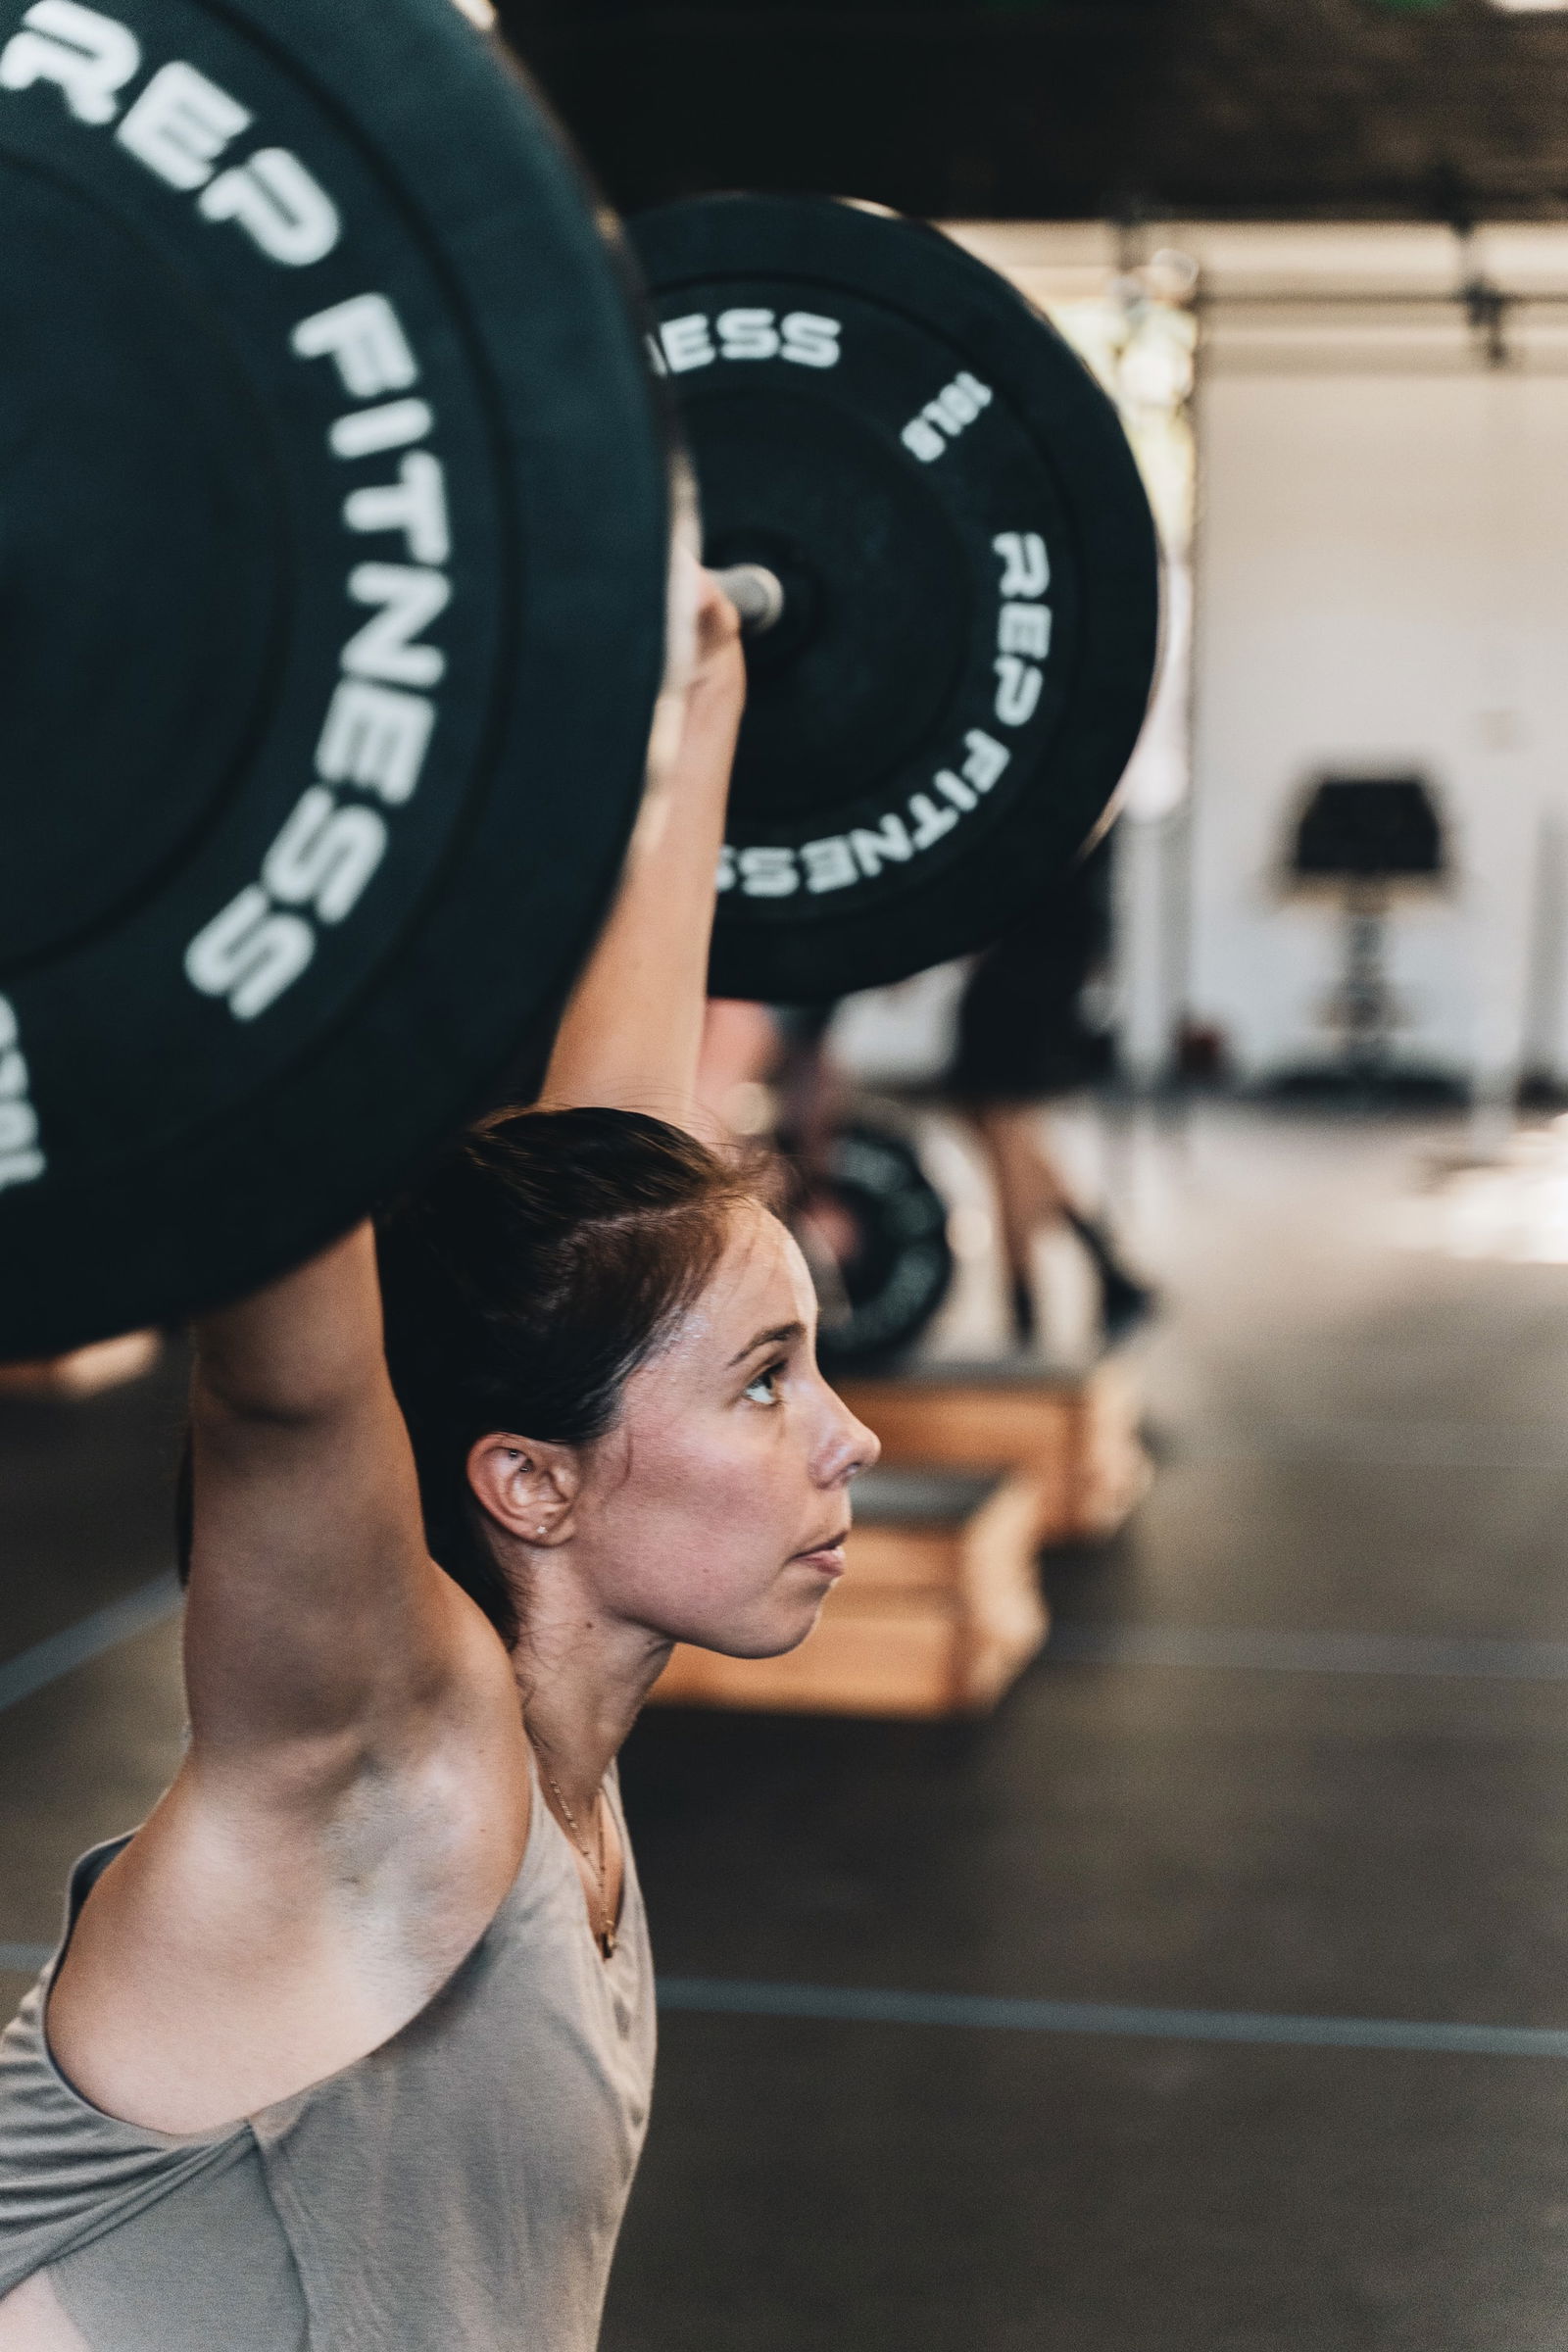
(1021, 1030)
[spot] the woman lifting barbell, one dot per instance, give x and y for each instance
(351, 2043)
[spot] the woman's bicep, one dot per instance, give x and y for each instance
(314, 1601)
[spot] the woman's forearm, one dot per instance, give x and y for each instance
(299, 1349)
(632, 1029)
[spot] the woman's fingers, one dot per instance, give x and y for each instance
(720, 666)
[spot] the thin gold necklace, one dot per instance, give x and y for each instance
(607, 1926)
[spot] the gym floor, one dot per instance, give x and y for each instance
(1213, 1994)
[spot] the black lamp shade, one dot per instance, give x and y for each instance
(1358, 826)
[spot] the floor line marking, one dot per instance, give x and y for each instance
(1307, 1456)
(1244, 1648)
(868, 2005)
(79, 1644)
(1366, 1444)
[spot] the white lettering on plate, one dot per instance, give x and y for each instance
(899, 837)
(22, 1156)
(179, 126)
(190, 134)
(942, 419)
(1024, 628)
(805, 338)
(902, 836)
(381, 717)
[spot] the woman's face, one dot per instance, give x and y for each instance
(715, 1510)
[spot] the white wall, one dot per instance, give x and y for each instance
(1383, 568)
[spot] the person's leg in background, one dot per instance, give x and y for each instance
(1023, 1040)
(1032, 1194)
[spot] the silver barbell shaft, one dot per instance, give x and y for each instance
(757, 594)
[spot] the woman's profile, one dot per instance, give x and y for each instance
(350, 2045)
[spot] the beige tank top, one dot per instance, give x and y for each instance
(457, 2191)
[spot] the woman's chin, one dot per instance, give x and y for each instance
(784, 1630)
(760, 1625)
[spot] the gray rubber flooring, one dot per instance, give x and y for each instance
(1299, 1767)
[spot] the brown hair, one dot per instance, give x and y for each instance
(525, 1278)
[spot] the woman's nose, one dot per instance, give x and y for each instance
(855, 1447)
(868, 1448)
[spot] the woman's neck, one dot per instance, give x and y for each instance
(582, 1677)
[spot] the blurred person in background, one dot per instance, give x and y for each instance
(1023, 1038)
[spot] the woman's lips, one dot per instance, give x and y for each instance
(826, 1558)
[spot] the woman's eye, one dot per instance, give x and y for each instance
(763, 1390)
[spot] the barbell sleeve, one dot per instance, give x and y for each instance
(757, 594)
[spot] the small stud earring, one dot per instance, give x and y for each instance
(539, 1531)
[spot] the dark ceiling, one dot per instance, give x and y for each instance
(1060, 107)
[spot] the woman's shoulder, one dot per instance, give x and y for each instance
(278, 1918)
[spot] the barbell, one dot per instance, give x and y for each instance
(337, 438)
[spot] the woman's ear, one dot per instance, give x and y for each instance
(525, 1490)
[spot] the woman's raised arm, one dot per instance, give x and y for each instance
(314, 1605)
(631, 1034)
